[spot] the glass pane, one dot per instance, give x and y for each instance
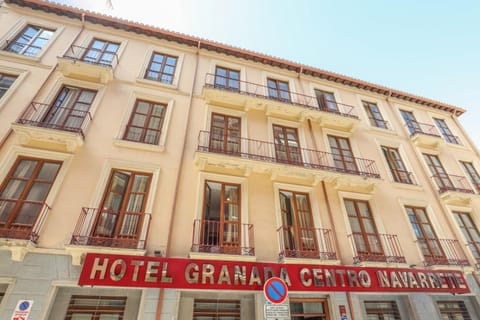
(171, 61)
(25, 168)
(140, 183)
(28, 213)
(158, 110)
(13, 189)
(48, 171)
(134, 134)
(38, 191)
(139, 120)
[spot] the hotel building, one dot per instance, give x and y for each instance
(146, 174)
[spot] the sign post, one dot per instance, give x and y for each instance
(22, 310)
(276, 293)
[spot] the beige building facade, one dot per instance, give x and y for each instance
(146, 174)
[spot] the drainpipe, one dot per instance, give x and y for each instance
(10, 130)
(177, 183)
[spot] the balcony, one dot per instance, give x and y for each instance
(449, 252)
(88, 64)
(454, 189)
(424, 134)
(27, 223)
(306, 243)
(250, 155)
(474, 247)
(52, 127)
(383, 248)
(248, 95)
(223, 237)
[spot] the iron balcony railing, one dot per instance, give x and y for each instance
(445, 252)
(107, 228)
(383, 248)
(403, 176)
(294, 98)
(379, 123)
(25, 226)
(270, 152)
(415, 127)
(225, 237)
(92, 56)
(451, 138)
(306, 242)
(449, 182)
(58, 118)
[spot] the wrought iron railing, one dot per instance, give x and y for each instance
(269, 152)
(24, 226)
(415, 127)
(383, 248)
(225, 237)
(107, 228)
(92, 56)
(450, 253)
(450, 182)
(306, 242)
(58, 118)
(294, 98)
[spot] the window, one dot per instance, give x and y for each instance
(225, 134)
(216, 309)
(221, 217)
(227, 78)
(122, 209)
(426, 237)
(470, 232)
(316, 309)
(453, 310)
(411, 122)
(342, 154)
(472, 173)
(161, 68)
(101, 52)
(297, 230)
(6, 82)
(287, 146)
(441, 178)
(278, 90)
(396, 165)
(374, 115)
(23, 194)
(146, 121)
(445, 131)
(382, 310)
(96, 308)
(326, 101)
(30, 40)
(364, 231)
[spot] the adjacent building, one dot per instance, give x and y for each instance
(146, 174)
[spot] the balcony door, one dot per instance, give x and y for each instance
(278, 90)
(221, 217)
(24, 191)
(69, 109)
(470, 232)
(411, 122)
(326, 101)
(364, 231)
(297, 231)
(121, 212)
(438, 172)
(101, 52)
(225, 134)
(426, 237)
(287, 145)
(342, 154)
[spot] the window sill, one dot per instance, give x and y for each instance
(407, 186)
(383, 130)
(153, 83)
(23, 58)
(138, 145)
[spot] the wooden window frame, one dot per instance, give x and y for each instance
(325, 104)
(451, 312)
(397, 166)
(96, 311)
(380, 312)
(101, 52)
(29, 45)
(411, 122)
(445, 131)
(467, 232)
(341, 155)
(274, 85)
(228, 79)
(4, 88)
(325, 315)
(472, 173)
(227, 135)
(438, 172)
(374, 115)
(160, 73)
(145, 128)
(284, 142)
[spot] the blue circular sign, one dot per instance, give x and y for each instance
(24, 305)
(275, 290)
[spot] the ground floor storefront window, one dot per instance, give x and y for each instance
(216, 309)
(96, 307)
(453, 310)
(382, 310)
(312, 309)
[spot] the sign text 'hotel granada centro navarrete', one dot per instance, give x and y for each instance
(140, 271)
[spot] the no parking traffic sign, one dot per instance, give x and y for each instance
(22, 310)
(275, 290)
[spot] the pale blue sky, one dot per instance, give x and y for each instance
(428, 48)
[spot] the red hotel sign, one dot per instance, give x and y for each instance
(152, 272)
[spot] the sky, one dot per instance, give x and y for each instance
(427, 48)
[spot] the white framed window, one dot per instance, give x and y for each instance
(10, 80)
(145, 125)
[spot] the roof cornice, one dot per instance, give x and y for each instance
(159, 33)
